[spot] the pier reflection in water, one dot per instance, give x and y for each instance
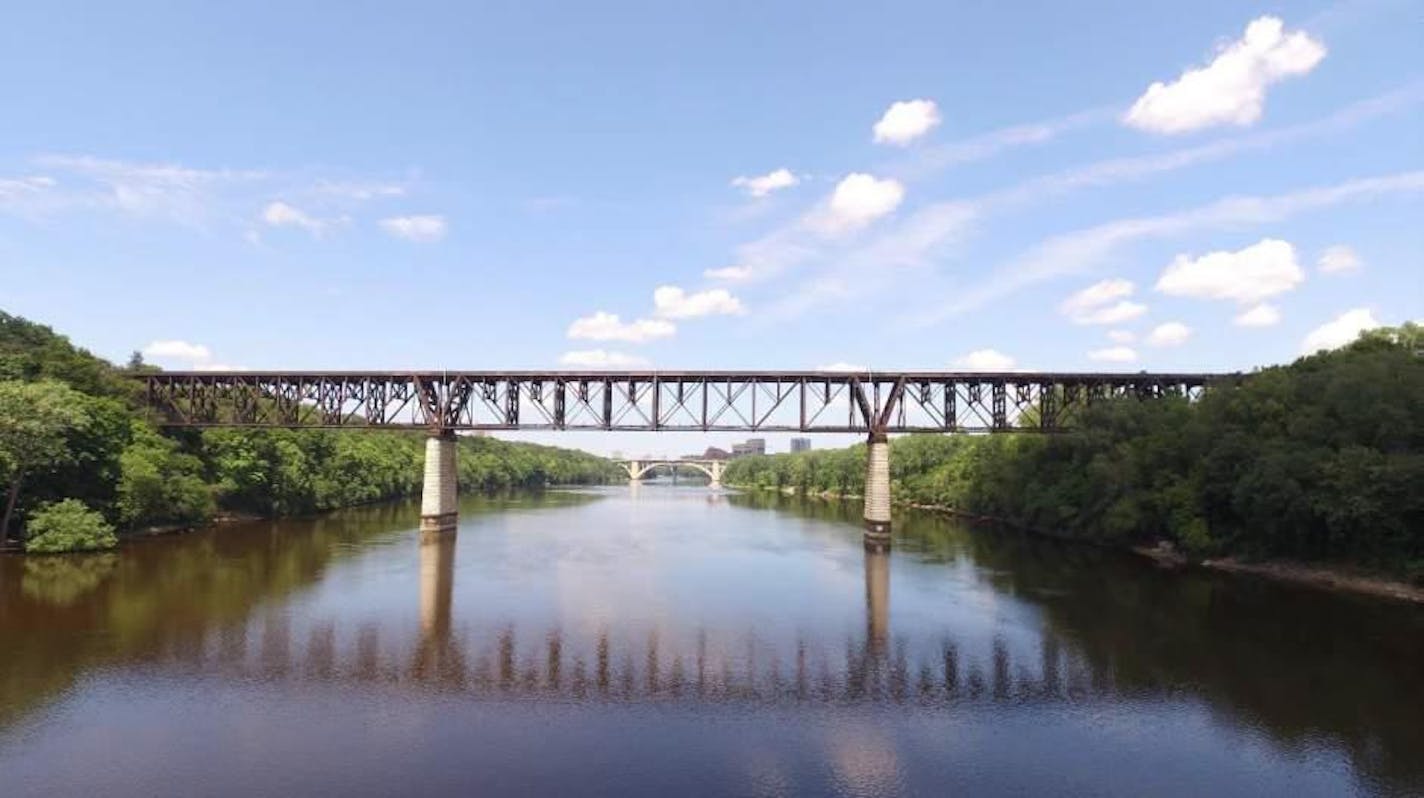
(676, 640)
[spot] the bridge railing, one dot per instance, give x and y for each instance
(845, 402)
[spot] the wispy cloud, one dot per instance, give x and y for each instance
(1078, 251)
(1113, 171)
(938, 157)
(166, 191)
(934, 231)
(204, 198)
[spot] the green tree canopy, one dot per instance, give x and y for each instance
(36, 420)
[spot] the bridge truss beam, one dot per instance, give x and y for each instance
(707, 401)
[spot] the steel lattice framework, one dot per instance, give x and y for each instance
(753, 401)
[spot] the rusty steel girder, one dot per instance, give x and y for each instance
(749, 401)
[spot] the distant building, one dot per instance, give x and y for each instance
(800, 444)
(751, 446)
(713, 453)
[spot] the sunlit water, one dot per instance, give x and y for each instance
(679, 641)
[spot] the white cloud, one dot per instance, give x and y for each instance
(986, 360)
(671, 302)
(177, 350)
(730, 274)
(858, 200)
(1262, 315)
(603, 326)
(1262, 270)
(1232, 88)
(185, 355)
(280, 214)
(842, 366)
(1116, 313)
(420, 227)
(1122, 336)
(1114, 354)
(1103, 302)
(1172, 333)
(1339, 331)
(1097, 294)
(1338, 259)
(763, 185)
(905, 121)
(601, 359)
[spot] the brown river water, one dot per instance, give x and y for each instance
(666, 640)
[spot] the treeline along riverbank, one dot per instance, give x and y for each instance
(1320, 461)
(82, 462)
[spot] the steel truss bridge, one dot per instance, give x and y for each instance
(707, 401)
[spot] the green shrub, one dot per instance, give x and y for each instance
(68, 525)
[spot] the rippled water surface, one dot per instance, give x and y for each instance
(677, 641)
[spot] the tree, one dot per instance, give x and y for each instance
(36, 419)
(158, 483)
(67, 526)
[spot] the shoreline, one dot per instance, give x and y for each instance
(1341, 579)
(224, 518)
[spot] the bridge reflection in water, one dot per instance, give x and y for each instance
(658, 665)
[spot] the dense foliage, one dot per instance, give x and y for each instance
(68, 526)
(71, 428)
(1322, 459)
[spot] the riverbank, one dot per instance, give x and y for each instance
(1332, 578)
(1336, 578)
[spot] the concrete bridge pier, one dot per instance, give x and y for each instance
(439, 501)
(877, 493)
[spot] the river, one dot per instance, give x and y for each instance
(664, 640)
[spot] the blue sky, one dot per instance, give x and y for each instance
(923, 185)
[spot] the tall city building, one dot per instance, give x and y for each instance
(751, 446)
(800, 444)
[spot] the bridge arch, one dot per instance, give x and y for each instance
(637, 469)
